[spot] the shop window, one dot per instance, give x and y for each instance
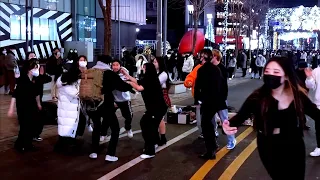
(86, 7)
(43, 29)
(87, 29)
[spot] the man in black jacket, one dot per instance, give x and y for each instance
(208, 93)
(223, 112)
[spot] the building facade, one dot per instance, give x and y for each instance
(58, 21)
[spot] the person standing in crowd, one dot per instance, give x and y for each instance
(155, 104)
(260, 63)
(279, 107)
(3, 53)
(313, 82)
(68, 108)
(208, 93)
(242, 62)
(111, 82)
(27, 101)
(189, 82)
(223, 111)
(129, 62)
(187, 67)
(31, 55)
(232, 66)
(10, 64)
(253, 66)
(302, 65)
(123, 99)
(163, 76)
(141, 61)
(54, 68)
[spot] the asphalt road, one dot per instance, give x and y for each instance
(177, 161)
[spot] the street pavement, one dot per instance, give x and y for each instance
(178, 160)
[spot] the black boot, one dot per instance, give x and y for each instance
(208, 156)
(163, 140)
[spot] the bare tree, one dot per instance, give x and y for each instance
(106, 11)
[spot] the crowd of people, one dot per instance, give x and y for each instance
(279, 106)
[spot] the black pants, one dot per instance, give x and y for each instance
(278, 161)
(244, 72)
(110, 120)
(230, 71)
(260, 71)
(208, 129)
(184, 75)
(149, 126)
(126, 111)
(317, 128)
(26, 132)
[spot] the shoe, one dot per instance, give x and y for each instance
(111, 158)
(315, 153)
(130, 134)
(232, 144)
(93, 156)
(146, 156)
(163, 141)
(208, 156)
(102, 138)
(39, 139)
(230, 79)
(201, 136)
(122, 130)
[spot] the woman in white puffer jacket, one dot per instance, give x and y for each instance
(68, 107)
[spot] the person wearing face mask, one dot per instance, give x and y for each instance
(279, 107)
(27, 100)
(55, 69)
(83, 62)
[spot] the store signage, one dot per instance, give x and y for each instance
(230, 39)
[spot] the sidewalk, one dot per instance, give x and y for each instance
(9, 126)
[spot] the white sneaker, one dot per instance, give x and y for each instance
(111, 158)
(93, 156)
(122, 130)
(130, 133)
(315, 153)
(102, 138)
(230, 79)
(146, 156)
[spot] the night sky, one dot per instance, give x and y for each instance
(293, 3)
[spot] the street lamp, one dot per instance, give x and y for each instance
(190, 9)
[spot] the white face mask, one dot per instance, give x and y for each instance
(83, 63)
(58, 53)
(35, 72)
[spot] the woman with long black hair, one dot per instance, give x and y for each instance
(155, 104)
(279, 107)
(163, 76)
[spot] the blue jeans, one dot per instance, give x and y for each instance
(223, 114)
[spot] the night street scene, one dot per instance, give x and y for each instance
(160, 89)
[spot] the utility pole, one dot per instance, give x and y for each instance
(225, 30)
(165, 27)
(119, 34)
(31, 23)
(159, 28)
(27, 24)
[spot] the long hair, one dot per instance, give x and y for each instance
(71, 76)
(151, 77)
(163, 68)
(291, 85)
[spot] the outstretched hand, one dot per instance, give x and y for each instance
(227, 129)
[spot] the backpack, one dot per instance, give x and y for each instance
(91, 85)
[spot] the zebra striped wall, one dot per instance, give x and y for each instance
(43, 49)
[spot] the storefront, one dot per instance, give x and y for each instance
(51, 28)
(231, 42)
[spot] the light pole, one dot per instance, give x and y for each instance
(225, 29)
(159, 28)
(209, 31)
(165, 22)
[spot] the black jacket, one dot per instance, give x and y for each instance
(40, 81)
(266, 123)
(111, 82)
(224, 86)
(208, 87)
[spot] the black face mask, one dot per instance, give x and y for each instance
(271, 81)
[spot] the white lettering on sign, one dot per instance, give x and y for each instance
(230, 39)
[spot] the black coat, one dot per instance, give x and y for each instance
(208, 87)
(224, 87)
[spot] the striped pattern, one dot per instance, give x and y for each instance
(42, 48)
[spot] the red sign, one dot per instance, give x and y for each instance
(230, 40)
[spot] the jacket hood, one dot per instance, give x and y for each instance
(101, 65)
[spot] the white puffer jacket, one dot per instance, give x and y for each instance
(68, 109)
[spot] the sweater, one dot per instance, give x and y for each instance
(189, 82)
